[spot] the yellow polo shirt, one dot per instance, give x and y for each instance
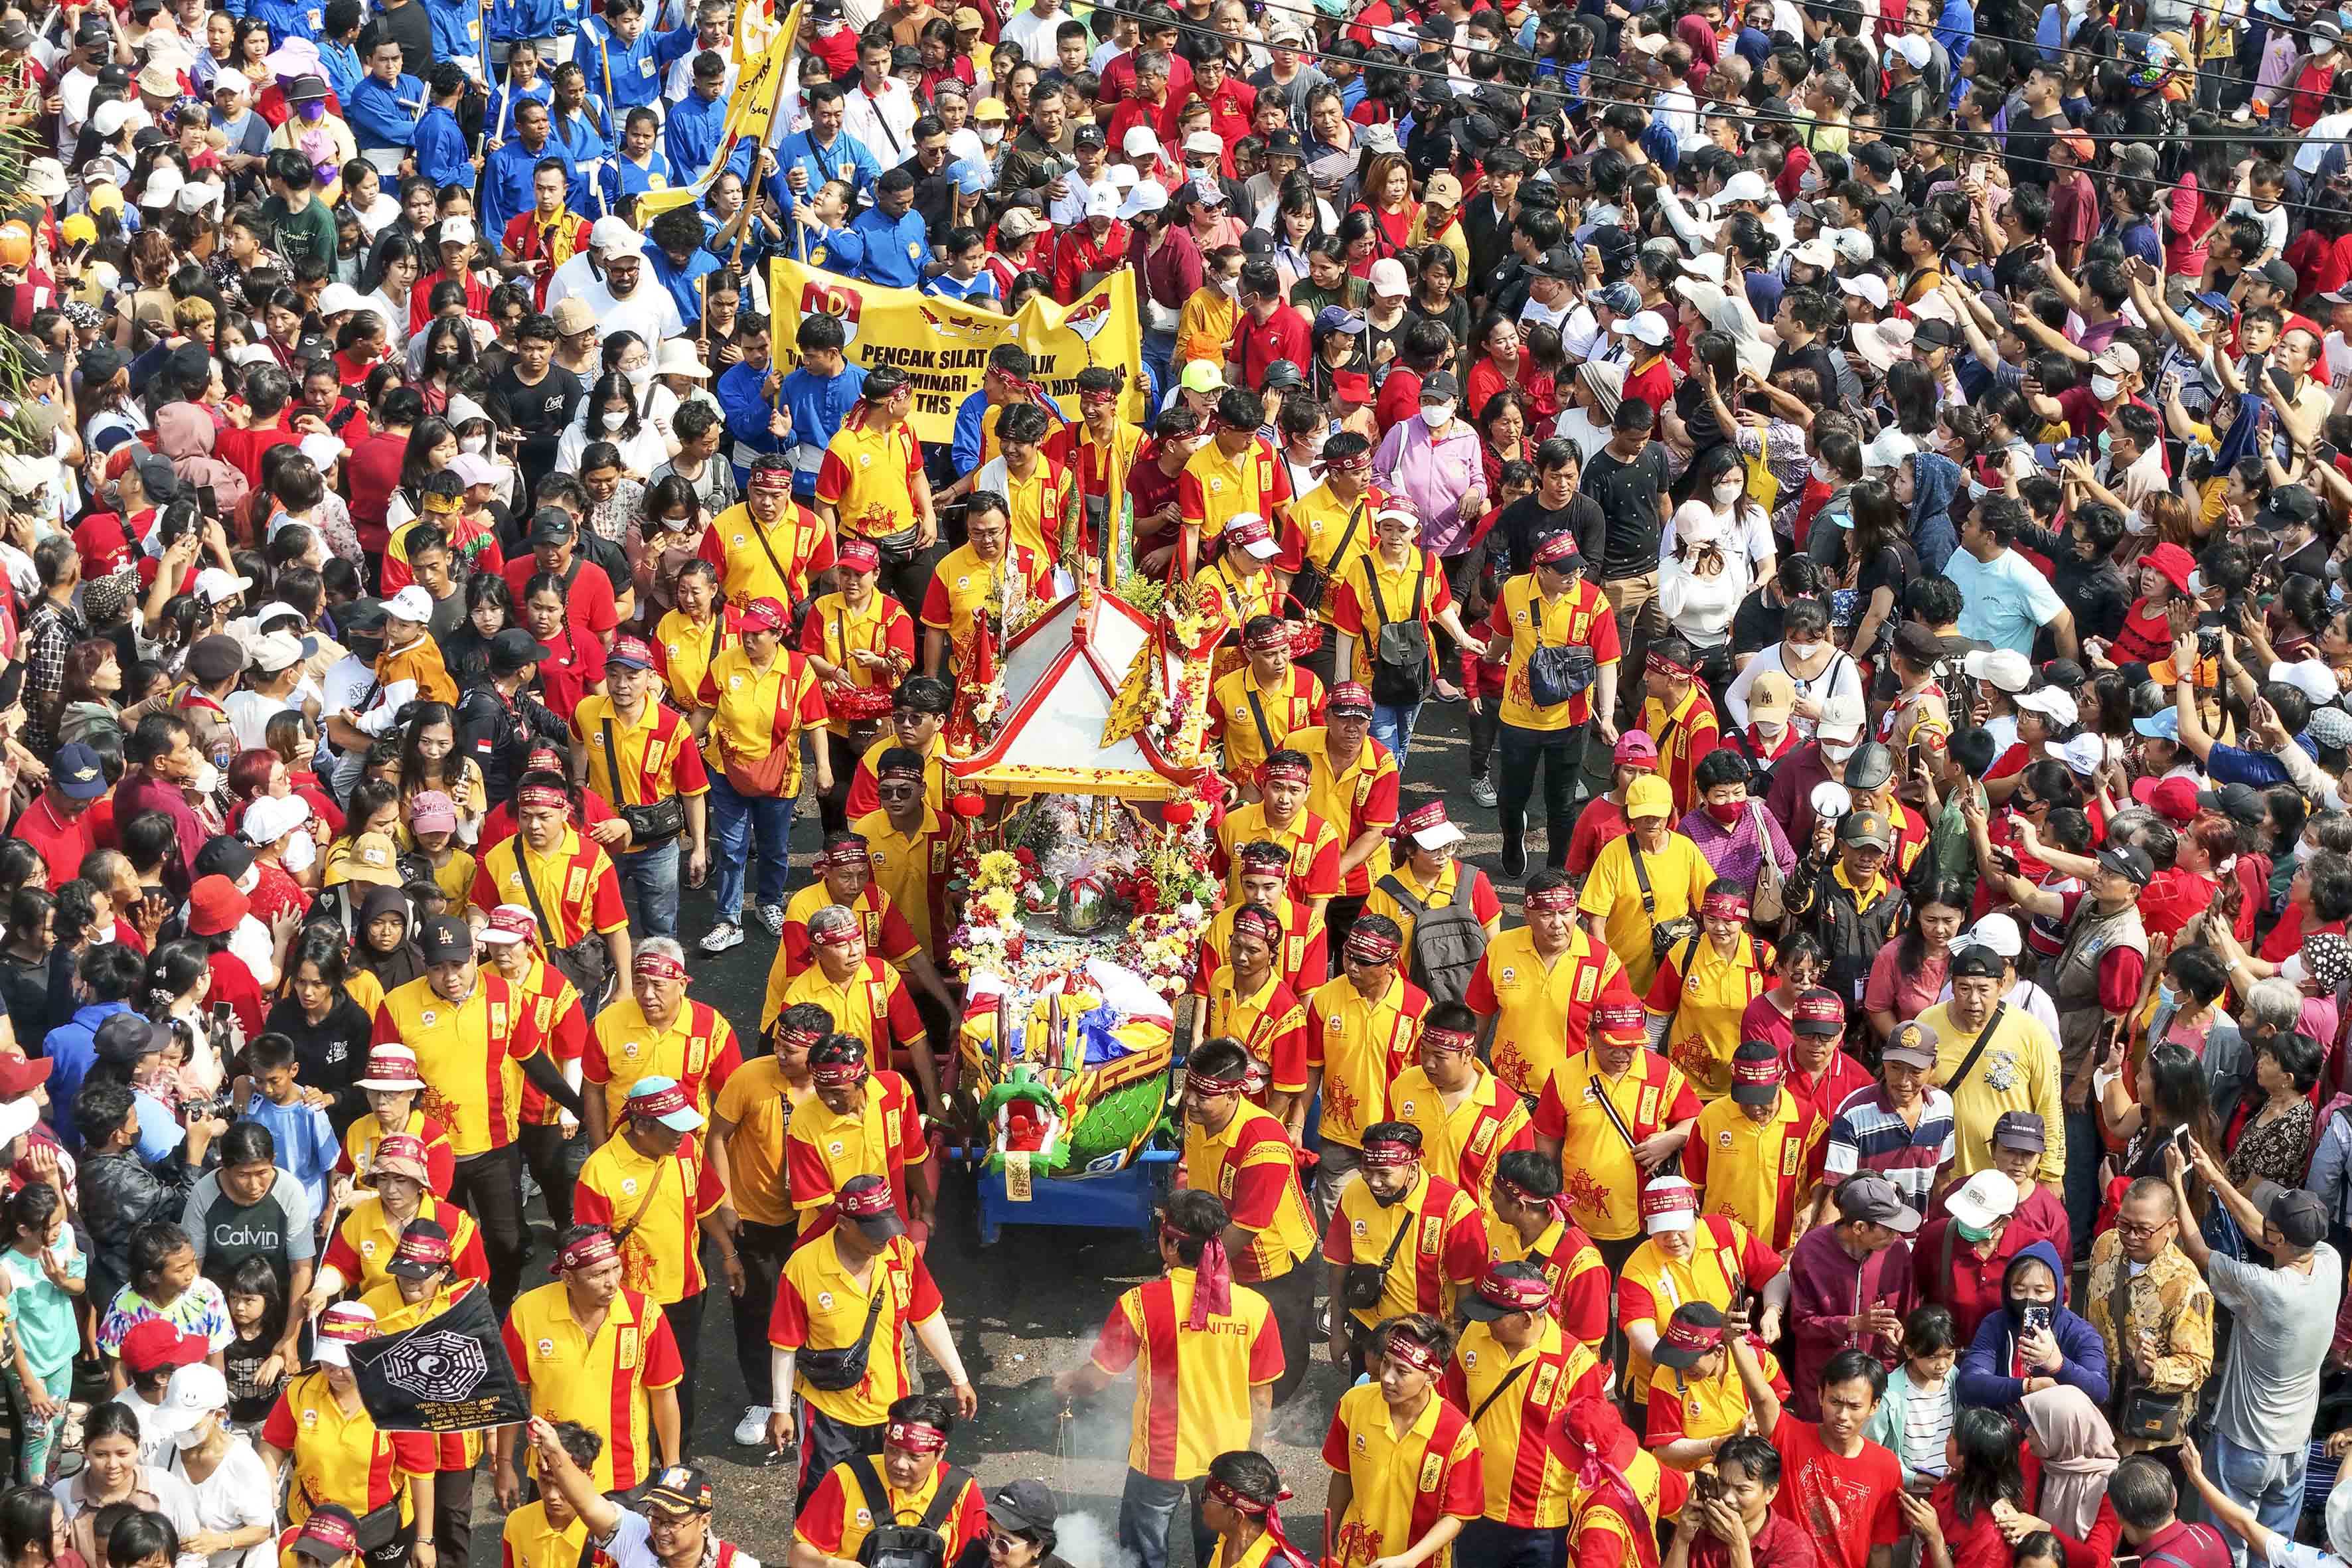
(760, 1104)
(910, 868)
(1361, 1047)
(1319, 524)
(1678, 878)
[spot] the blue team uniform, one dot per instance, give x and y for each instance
(505, 99)
(620, 177)
(505, 183)
(516, 19)
(341, 64)
(633, 70)
(895, 248)
(288, 18)
(442, 153)
(684, 283)
(458, 34)
(847, 159)
(747, 418)
(834, 249)
(385, 114)
(818, 403)
(583, 144)
(692, 136)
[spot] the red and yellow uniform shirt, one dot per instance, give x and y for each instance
(363, 1135)
(1706, 994)
(1213, 488)
(835, 633)
(1685, 733)
(658, 759)
(1313, 842)
(871, 1004)
(1191, 1386)
(911, 870)
(1379, 900)
(1704, 1408)
(1038, 503)
(963, 583)
(864, 785)
(880, 1138)
(1724, 1252)
(683, 651)
(1374, 593)
(1270, 1022)
(362, 1247)
(1403, 1484)
(527, 1541)
(577, 887)
(554, 1010)
(1362, 1047)
(1253, 1167)
(1758, 1175)
(698, 1049)
(469, 1053)
(1599, 1176)
(869, 477)
(838, 1516)
(820, 1305)
(1442, 1251)
(1522, 1446)
(1357, 800)
(1579, 1281)
(742, 550)
(1600, 1534)
(1329, 534)
(757, 711)
(1461, 1143)
(759, 1104)
(1581, 617)
(661, 1203)
(1253, 721)
(887, 933)
(600, 1382)
(340, 1457)
(1305, 959)
(1541, 1009)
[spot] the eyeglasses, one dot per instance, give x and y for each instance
(2133, 1228)
(898, 792)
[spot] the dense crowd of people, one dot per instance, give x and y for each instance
(1883, 470)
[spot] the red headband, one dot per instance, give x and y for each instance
(1672, 667)
(1518, 1295)
(916, 1436)
(1369, 947)
(768, 481)
(1556, 1205)
(1257, 922)
(1388, 1154)
(838, 1074)
(835, 936)
(1688, 1336)
(658, 966)
(541, 794)
(1411, 1352)
(1202, 1083)
(842, 854)
(1265, 855)
(1274, 639)
(1724, 906)
(587, 1252)
(1459, 1041)
(1556, 901)
(1249, 1507)
(1295, 773)
(418, 1247)
(1213, 1281)
(899, 771)
(800, 1039)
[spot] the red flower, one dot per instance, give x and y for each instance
(1147, 900)
(1026, 856)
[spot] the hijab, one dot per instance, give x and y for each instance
(2078, 1453)
(404, 963)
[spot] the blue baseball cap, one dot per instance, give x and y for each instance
(2163, 726)
(76, 772)
(2214, 300)
(665, 1100)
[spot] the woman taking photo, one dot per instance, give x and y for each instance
(1701, 585)
(763, 697)
(2169, 1095)
(319, 1428)
(329, 1024)
(112, 1473)
(665, 534)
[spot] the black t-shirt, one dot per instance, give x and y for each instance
(537, 412)
(234, 1232)
(1526, 522)
(330, 1054)
(1815, 357)
(1756, 623)
(1628, 495)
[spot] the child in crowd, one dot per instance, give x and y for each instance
(297, 1120)
(1916, 1416)
(48, 1276)
(256, 1310)
(549, 1533)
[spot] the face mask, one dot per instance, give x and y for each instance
(194, 1437)
(2303, 851)
(1978, 491)
(301, 851)
(1836, 753)
(1728, 814)
(1230, 287)
(1728, 490)
(472, 443)
(2165, 995)
(614, 419)
(991, 135)
(1822, 472)
(640, 376)
(312, 111)
(2104, 387)
(208, 778)
(1437, 415)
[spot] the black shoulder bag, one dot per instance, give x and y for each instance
(2142, 1414)
(1308, 588)
(844, 1367)
(658, 823)
(1257, 715)
(1556, 673)
(1363, 1284)
(1401, 661)
(588, 963)
(1662, 937)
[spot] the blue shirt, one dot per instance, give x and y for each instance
(818, 403)
(443, 155)
(684, 283)
(513, 19)
(160, 1131)
(584, 146)
(505, 183)
(692, 136)
(73, 1046)
(505, 99)
(847, 159)
(457, 31)
(2004, 601)
(629, 73)
(747, 414)
(288, 18)
(307, 1145)
(980, 290)
(621, 177)
(343, 68)
(2235, 765)
(385, 115)
(971, 416)
(835, 249)
(895, 248)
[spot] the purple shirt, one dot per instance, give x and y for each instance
(1737, 851)
(139, 791)
(1434, 476)
(1828, 1287)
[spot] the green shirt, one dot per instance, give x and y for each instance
(45, 1314)
(311, 232)
(1955, 856)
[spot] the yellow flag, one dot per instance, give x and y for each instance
(754, 112)
(755, 28)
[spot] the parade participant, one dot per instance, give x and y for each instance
(1239, 1153)
(550, 1149)
(1644, 886)
(862, 995)
(1714, 1381)
(764, 697)
(1361, 1030)
(908, 845)
(1303, 956)
(845, 1304)
(639, 755)
(1617, 1488)
(971, 582)
(567, 881)
(1852, 1283)
(339, 1456)
(392, 1092)
(767, 545)
(1704, 987)
(1279, 815)
(1242, 1503)
(359, 1255)
(475, 1046)
(861, 1122)
(1538, 984)
(1752, 1153)
(747, 1127)
(1467, 1118)
(1354, 788)
(916, 723)
(1206, 1354)
(544, 1534)
(1608, 1119)
(586, 1347)
(909, 1480)
(845, 877)
(1247, 1001)
(656, 1030)
(1529, 1222)
(861, 643)
(1373, 1277)
(1234, 473)
(1555, 607)
(1679, 716)
(422, 1287)
(1255, 710)
(660, 1234)
(670, 1527)
(1406, 1472)
(1688, 1257)
(1518, 1372)
(1423, 873)
(870, 485)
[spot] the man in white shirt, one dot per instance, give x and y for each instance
(880, 111)
(626, 301)
(714, 22)
(1034, 28)
(273, 675)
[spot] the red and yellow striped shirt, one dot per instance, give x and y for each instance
(1403, 1484)
(469, 1053)
(600, 1381)
(1522, 1430)
(1445, 1252)
(820, 1305)
(1253, 1167)
(340, 1457)
(1191, 1386)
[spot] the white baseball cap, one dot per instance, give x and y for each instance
(1841, 720)
(195, 1392)
(2083, 756)
(1998, 932)
(503, 932)
(1205, 142)
(1140, 143)
(2004, 668)
(411, 604)
(1388, 279)
(1982, 1201)
(271, 817)
(339, 298)
(1867, 286)
(1747, 186)
(1915, 51)
(214, 583)
(608, 232)
(1149, 196)
(323, 451)
(1669, 1202)
(458, 230)
(2311, 677)
(390, 1067)
(1102, 201)
(271, 652)
(2052, 703)
(1645, 327)
(473, 468)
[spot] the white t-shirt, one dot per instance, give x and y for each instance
(237, 1495)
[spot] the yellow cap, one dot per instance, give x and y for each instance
(79, 229)
(104, 198)
(1648, 795)
(990, 109)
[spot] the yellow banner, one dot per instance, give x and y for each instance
(755, 26)
(753, 113)
(942, 345)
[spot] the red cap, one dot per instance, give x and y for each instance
(2174, 799)
(858, 555)
(1620, 1017)
(215, 906)
(158, 1343)
(2174, 562)
(865, 1200)
(20, 1076)
(1696, 1338)
(1819, 1007)
(1355, 385)
(765, 615)
(1350, 697)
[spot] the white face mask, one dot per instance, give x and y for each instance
(639, 374)
(613, 418)
(1437, 415)
(991, 135)
(1821, 472)
(194, 1437)
(1728, 490)
(1836, 752)
(302, 849)
(2104, 387)
(473, 443)
(208, 778)
(1230, 287)
(2304, 851)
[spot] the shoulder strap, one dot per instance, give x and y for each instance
(1372, 581)
(1420, 586)
(869, 1481)
(1466, 883)
(531, 891)
(1642, 875)
(784, 577)
(718, 630)
(644, 1205)
(951, 1489)
(613, 766)
(1347, 535)
(1960, 1074)
(1501, 1388)
(1690, 951)
(1257, 712)
(1944, 1269)
(1395, 890)
(1404, 1228)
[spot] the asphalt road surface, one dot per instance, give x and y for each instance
(1023, 1308)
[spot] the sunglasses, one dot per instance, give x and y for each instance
(898, 792)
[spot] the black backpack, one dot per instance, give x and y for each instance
(893, 1545)
(1402, 668)
(1447, 938)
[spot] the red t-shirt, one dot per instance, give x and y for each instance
(1846, 1505)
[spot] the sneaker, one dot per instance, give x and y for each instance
(1482, 789)
(722, 936)
(753, 1430)
(772, 917)
(1515, 860)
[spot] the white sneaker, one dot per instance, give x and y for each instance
(722, 936)
(772, 917)
(753, 1430)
